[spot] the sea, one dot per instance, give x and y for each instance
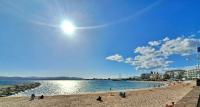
(67, 87)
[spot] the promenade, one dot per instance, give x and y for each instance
(190, 99)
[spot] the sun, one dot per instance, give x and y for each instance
(67, 27)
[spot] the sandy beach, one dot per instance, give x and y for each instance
(157, 97)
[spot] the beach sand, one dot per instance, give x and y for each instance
(157, 97)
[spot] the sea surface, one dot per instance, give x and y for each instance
(66, 87)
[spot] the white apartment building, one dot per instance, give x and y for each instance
(192, 74)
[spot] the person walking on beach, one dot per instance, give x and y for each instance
(32, 97)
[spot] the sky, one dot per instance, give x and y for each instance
(110, 38)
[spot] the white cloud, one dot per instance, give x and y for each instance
(129, 61)
(183, 67)
(180, 46)
(144, 50)
(116, 57)
(165, 39)
(146, 62)
(154, 43)
(150, 57)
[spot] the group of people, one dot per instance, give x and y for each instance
(121, 94)
(33, 97)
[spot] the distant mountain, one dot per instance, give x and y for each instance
(39, 78)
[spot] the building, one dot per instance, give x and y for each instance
(156, 76)
(145, 75)
(174, 74)
(192, 74)
(152, 76)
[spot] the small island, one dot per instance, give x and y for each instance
(14, 89)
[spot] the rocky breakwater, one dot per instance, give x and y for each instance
(11, 90)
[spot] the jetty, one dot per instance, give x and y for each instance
(11, 90)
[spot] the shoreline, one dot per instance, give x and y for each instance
(164, 84)
(125, 90)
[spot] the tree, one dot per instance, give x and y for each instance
(166, 76)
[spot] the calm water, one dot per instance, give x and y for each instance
(60, 87)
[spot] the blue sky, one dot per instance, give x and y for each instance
(109, 32)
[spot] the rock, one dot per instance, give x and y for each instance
(17, 88)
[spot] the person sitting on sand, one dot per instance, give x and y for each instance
(122, 94)
(41, 97)
(99, 99)
(32, 96)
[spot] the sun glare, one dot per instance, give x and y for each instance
(67, 27)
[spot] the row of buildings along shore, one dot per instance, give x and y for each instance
(172, 75)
